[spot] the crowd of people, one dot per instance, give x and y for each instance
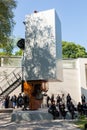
(14, 101)
(62, 105)
(58, 106)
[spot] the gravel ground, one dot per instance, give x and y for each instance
(6, 124)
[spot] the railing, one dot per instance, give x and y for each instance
(11, 81)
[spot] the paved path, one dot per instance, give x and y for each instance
(6, 124)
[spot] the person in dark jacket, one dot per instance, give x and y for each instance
(53, 110)
(62, 109)
(68, 98)
(20, 101)
(72, 110)
(83, 98)
(14, 101)
(48, 99)
(79, 108)
(26, 101)
(7, 101)
(52, 98)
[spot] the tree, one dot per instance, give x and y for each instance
(6, 20)
(72, 50)
(19, 53)
(9, 46)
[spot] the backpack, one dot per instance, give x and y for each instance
(20, 101)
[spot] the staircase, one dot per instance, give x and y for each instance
(10, 82)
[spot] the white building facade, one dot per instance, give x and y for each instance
(74, 77)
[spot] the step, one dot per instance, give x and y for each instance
(6, 110)
(28, 115)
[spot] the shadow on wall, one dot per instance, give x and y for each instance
(41, 66)
(40, 50)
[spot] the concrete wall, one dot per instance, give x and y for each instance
(74, 79)
(69, 85)
(82, 66)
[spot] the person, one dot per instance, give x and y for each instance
(84, 108)
(20, 100)
(62, 109)
(83, 98)
(14, 101)
(48, 99)
(6, 101)
(72, 110)
(52, 98)
(26, 101)
(79, 108)
(63, 98)
(58, 99)
(68, 98)
(53, 110)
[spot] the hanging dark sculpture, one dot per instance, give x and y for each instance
(21, 44)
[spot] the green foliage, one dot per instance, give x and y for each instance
(2, 54)
(72, 50)
(19, 53)
(8, 49)
(81, 122)
(6, 20)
